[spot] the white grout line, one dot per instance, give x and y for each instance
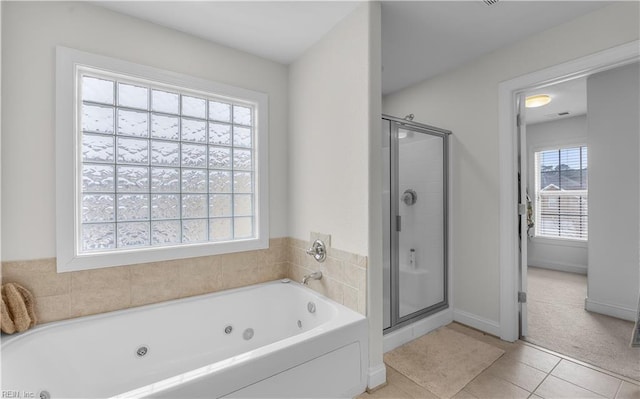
(581, 363)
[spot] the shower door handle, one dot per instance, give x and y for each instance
(398, 223)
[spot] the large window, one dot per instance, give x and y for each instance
(561, 193)
(163, 166)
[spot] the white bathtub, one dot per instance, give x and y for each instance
(292, 352)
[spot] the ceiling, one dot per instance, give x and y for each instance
(420, 39)
(568, 97)
(280, 31)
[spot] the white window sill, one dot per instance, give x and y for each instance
(563, 242)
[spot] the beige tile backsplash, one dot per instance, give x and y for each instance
(73, 294)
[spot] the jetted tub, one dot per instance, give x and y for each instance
(277, 339)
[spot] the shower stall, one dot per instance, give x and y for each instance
(415, 220)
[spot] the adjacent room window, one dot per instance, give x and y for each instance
(160, 166)
(562, 193)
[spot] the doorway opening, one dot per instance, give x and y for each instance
(548, 213)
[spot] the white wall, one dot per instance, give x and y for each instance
(30, 33)
(613, 101)
(328, 124)
(334, 151)
(465, 101)
(564, 255)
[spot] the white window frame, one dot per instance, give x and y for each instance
(68, 162)
(571, 241)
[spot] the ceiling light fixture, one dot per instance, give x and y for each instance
(537, 101)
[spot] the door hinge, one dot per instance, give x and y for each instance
(522, 297)
(522, 209)
(518, 120)
(398, 223)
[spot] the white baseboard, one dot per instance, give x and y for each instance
(489, 326)
(412, 331)
(562, 267)
(610, 310)
(377, 376)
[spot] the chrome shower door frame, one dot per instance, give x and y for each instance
(395, 123)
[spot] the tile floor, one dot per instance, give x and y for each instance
(524, 371)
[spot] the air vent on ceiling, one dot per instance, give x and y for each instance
(490, 2)
(563, 113)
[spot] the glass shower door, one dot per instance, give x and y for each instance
(420, 205)
(415, 225)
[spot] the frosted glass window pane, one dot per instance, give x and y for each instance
(192, 106)
(194, 206)
(241, 137)
(133, 96)
(242, 159)
(219, 134)
(165, 232)
(97, 90)
(219, 181)
(242, 115)
(165, 127)
(242, 182)
(194, 230)
(133, 234)
(194, 130)
(219, 111)
(97, 178)
(220, 229)
(242, 227)
(133, 179)
(165, 206)
(97, 208)
(194, 181)
(133, 123)
(96, 148)
(165, 153)
(194, 155)
(133, 151)
(220, 205)
(162, 101)
(219, 158)
(133, 207)
(242, 205)
(165, 180)
(98, 236)
(97, 119)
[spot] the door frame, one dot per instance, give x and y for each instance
(507, 110)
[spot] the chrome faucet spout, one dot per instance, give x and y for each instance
(313, 276)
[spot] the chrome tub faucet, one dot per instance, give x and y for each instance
(313, 276)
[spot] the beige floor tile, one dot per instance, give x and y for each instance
(534, 396)
(628, 391)
(517, 373)
(555, 388)
(585, 377)
(464, 395)
(387, 392)
(491, 387)
(533, 357)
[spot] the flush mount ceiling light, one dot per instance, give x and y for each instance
(537, 101)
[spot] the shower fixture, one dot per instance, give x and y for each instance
(409, 117)
(409, 197)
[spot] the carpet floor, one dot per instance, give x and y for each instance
(558, 321)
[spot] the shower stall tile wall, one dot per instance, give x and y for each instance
(62, 296)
